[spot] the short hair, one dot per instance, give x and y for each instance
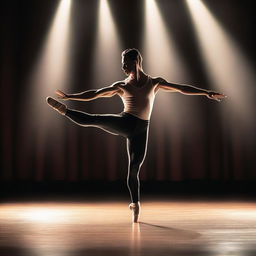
(133, 54)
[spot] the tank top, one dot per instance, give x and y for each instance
(138, 101)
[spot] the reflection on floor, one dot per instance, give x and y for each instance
(170, 227)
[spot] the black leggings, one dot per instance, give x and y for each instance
(128, 126)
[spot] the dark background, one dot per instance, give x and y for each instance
(205, 157)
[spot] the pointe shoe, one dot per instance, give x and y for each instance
(61, 108)
(135, 208)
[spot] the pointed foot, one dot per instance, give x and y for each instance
(56, 105)
(135, 208)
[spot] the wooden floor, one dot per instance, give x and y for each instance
(173, 228)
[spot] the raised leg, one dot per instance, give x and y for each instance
(116, 124)
(112, 123)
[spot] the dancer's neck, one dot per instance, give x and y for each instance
(136, 77)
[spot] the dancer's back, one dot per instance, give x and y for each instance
(138, 100)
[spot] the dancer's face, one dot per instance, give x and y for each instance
(128, 66)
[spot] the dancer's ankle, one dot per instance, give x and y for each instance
(135, 207)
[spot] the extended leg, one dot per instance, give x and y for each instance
(113, 123)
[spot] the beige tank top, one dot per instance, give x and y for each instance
(138, 101)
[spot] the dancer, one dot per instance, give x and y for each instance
(137, 92)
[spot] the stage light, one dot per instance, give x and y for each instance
(162, 58)
(227, 67)
(107, 70)
(161, 55)
(107, 61)
(52, 69)
(50, 72)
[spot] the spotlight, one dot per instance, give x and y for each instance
(162, 58)
(107, 50)
(51, 72)
(227, 67)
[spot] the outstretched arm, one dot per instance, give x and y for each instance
(90, 94)
(188, 89)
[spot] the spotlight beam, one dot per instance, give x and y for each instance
(227, 67)
(52, 66)
(51, 72)
(162, 58)
(107, 64)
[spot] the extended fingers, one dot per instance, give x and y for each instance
(60, 93)
(221, 96)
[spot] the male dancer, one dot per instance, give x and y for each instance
(137, 92)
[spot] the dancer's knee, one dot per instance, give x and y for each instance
(81, 118)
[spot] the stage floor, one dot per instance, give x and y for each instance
(167, 227)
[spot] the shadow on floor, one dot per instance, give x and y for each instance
(171, 232)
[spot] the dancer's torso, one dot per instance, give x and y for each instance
(138, 101)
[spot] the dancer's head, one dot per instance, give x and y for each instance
(131, 61)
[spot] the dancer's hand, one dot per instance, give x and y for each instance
(61, 95)
(216, 96)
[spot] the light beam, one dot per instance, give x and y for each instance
(162, 58)
(227, 67)
(107, 68)
(51, 72)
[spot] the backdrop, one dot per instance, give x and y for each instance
(190, 138)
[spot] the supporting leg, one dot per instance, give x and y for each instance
(136, 148)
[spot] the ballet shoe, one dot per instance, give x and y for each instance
(135, 208)
(61, 108)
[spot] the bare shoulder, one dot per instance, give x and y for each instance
(110, 90)
(160, 83)
(158, 80)
(118, 84)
